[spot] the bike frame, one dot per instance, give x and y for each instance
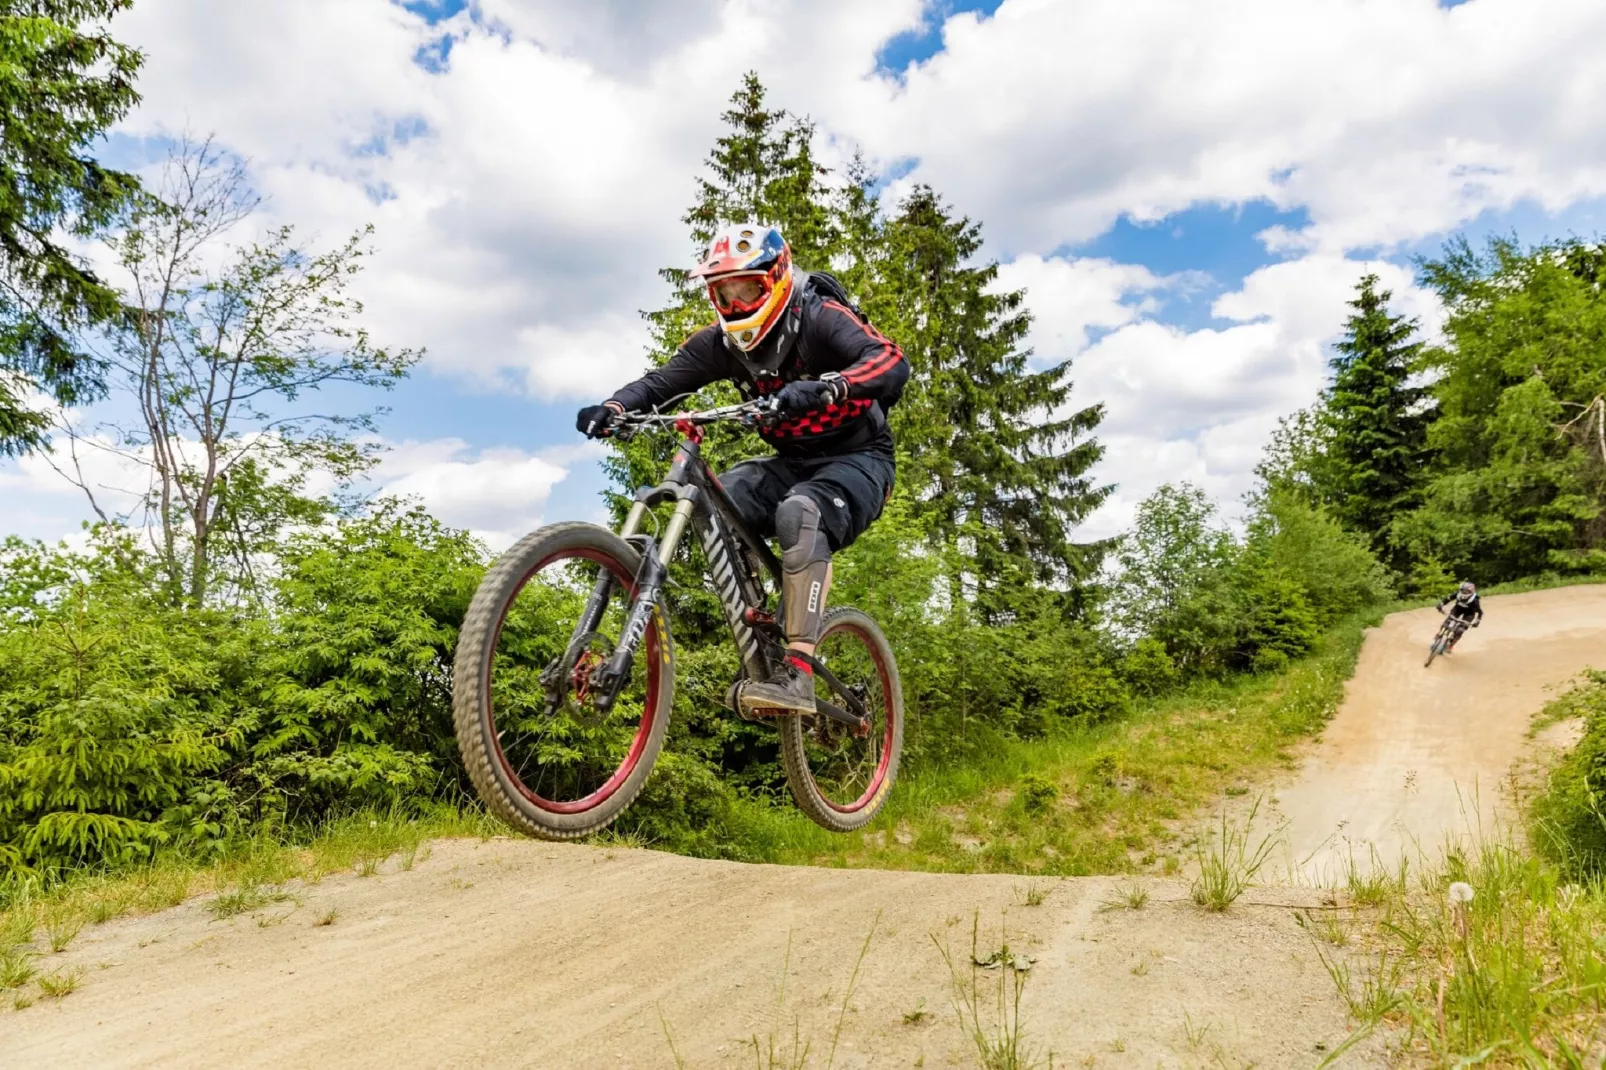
(728, 544)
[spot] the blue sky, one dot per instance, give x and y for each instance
(1186, 201)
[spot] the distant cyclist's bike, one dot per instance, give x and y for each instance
(565, 672)
(1449, 632)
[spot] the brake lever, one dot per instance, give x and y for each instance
(765, 412)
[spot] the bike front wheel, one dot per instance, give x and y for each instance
(838, 777)
(544, 754)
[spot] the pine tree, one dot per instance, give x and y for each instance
(1376, 451)
(63, 83)
(987, 446)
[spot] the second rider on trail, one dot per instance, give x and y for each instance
(786, 333)
(1468, 607)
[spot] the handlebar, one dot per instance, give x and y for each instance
(748, 413)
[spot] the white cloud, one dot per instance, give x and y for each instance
(1387, 120)
(1070, 296)
(499, 494)
(1200, 405)
(526, 195)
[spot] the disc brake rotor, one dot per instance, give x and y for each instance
(595, 650)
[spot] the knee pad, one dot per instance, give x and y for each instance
(802, 534)
(806, 562)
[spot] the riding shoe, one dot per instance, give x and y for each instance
(789, 691)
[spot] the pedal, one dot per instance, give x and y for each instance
(760, 715)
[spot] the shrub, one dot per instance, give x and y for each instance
(1148, 669)
(1335, 569)
(1037, 793)
(357, 680)
(1569, 817)
(118, 721)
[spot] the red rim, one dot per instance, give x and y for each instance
(880, 777)
(649, 713)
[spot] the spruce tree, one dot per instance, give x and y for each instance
(63, 83)
(1376, 451)
(988, 447)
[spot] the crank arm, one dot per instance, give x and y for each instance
(837, 713)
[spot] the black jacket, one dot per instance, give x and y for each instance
(830, 338)
(1472, 610)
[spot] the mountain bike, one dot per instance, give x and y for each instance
(1449, 631)
(565, 670)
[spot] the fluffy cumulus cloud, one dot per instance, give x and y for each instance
(499, 494)
(526, 162)
(1199, 405)
(1385, 119)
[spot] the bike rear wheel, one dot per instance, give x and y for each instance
(839, 778)
(541, 753)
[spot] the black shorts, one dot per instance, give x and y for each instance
(850, 491)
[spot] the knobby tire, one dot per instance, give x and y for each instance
(886, 730)
(503, 793)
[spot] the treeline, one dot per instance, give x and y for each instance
(1480, 458)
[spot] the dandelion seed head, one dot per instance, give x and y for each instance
(1460, 892)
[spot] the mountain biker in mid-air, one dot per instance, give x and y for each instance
(791, 335)
(1468, 606)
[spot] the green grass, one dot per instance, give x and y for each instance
(1121, 791)
(1567, 817)
(1515, 976)
(1228, 862)
(986, 999)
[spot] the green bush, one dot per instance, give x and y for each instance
(1037, 793)
(1569, 817)
(1148, 669)
(1335, 569)
(357, 679)
(118, 724)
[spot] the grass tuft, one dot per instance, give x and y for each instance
(1132, 896)
(61, 984)
(243, 900)
(1227, 863)
(63, 922)
(990, 1012)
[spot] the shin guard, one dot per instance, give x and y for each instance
(805, 565)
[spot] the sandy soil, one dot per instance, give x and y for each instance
(515, 953)
(1418, 756)
(512, 953)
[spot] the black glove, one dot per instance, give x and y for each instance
(806, 395)
(596, 421)
(1477, 622)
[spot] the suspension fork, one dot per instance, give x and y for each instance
(651, 576)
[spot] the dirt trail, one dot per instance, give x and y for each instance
(1418, 755)
(519, 954)
(515, 953)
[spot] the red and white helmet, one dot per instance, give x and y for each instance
(750, 281)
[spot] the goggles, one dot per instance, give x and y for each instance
(740, 294)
